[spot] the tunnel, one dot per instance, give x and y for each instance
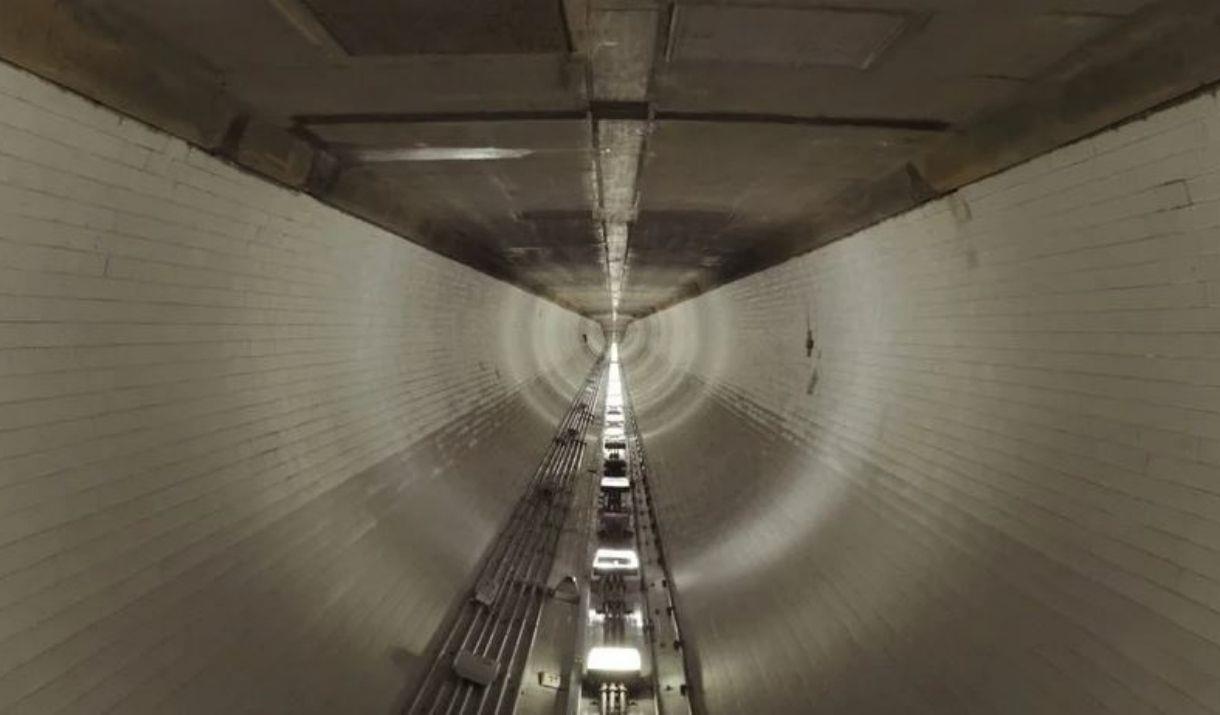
(609, 357)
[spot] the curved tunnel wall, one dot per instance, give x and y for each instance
(993, 484)
(251, 449)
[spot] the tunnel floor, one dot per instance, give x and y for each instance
(572, 610)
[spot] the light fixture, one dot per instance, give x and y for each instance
(438, 153)
(608, 659)
(615, 560)
(635, 618)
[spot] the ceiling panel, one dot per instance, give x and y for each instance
(996, 42)
(891, 92)
(1100, 7)
(220, 31)
(418, 27)
(424, 84)
(694, 165)
(783, 36)
(532, 214)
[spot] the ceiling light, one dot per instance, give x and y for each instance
(439, 153)
(636, 618)
(615, 560)
(614, 660)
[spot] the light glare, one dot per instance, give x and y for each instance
(614, 659)
(615, 560)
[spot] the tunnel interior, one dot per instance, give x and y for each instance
(609, 356)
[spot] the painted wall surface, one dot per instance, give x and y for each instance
(250, 448)
(992, 485)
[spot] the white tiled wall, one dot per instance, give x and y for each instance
(232, 422)
(995, 485)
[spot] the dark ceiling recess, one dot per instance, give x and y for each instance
(623, 154)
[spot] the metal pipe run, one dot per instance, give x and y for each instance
(477, 667)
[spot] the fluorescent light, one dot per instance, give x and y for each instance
(439, 153)
(615, 482)
(613, 660)
(615, 560)
(635, 617)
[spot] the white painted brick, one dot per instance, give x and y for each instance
(1004, 487)
(197, 372)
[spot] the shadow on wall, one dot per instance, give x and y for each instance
(660, 356)
(528, 340)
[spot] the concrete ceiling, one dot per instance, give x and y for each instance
(625, 153)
